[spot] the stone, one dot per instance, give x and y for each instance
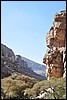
(55, 57)
(8, 53)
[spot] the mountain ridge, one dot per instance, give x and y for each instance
(36, 67)
(11, 63)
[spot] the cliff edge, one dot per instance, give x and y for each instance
(55, 57)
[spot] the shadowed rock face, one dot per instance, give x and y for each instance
(56, 42)
(7, 53)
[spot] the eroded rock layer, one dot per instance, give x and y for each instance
(55, 57)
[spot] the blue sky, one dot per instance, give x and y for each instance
(24, 25)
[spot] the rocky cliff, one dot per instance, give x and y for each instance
(55, 57)
(13, 64)
(8, 62)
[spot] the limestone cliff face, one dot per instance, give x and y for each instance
(55, 57)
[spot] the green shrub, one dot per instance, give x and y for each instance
(24, 87)
(14, 86)
(59, 88)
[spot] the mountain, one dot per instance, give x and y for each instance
(11, 64)
(36, 67)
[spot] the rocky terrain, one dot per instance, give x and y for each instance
(13, 64)
(36, 67)
(55, 57)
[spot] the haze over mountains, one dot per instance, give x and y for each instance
(36, 67)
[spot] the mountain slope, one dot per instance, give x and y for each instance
(10, 64)
(36, 67)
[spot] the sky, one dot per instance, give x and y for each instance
(24, 25)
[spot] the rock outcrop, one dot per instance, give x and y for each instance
(8, 64)
(55, 57)
(7, 53)
(14, 64)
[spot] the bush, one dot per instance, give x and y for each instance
(59, 88)
(24, 87)
(14, 86)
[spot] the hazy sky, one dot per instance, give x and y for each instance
(24, 25)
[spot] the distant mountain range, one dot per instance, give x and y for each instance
(36, 67)
(15, 64)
